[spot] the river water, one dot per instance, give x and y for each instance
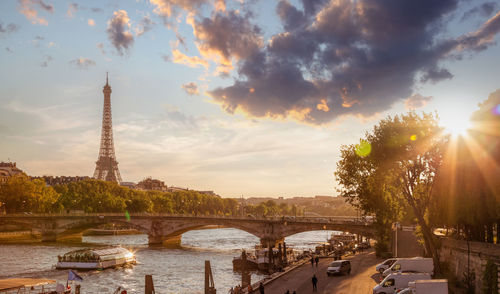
(173, 270)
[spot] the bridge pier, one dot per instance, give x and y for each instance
(273, 242)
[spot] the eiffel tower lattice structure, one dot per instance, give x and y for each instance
(106, 167)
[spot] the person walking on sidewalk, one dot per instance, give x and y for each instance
(317, 260)
(261, 288)
(312, 261)
(315, 283)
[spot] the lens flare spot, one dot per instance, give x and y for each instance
(363, 149)
(413, 137)
(496, 110)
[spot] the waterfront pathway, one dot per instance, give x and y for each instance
(361, 280)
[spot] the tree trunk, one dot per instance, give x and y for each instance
(489, 233)
(431, 245)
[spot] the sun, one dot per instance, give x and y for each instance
(455, 124)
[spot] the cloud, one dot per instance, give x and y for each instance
(336, 58)
(82, 62)
(119, 32)
(483, 10)
(101, 48)
(46, 60)
(91, 22)
(168, 8)
(52, 118)
(191, 88)
(36, 41)
(417, 101)
(72, 9)
(191, 61)
(480, 39)
(10, 28)
(227, 36)
(27, 8)
(145, 25)
(435, 75)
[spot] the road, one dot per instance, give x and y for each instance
(361, 280)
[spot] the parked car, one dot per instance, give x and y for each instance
(381, 267)
(340, 267)
(415, 264)
(394, 282)
(364, 245)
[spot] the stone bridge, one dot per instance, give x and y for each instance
(165, 229)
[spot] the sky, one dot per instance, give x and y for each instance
(247, 98)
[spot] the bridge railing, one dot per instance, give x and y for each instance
(290, 219)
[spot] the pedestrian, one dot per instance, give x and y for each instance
(312, 261)
(294, 292)
(315, 283)
(317, 260)
(287, 292)
(261, 288)
(231, 291)
(250, 289)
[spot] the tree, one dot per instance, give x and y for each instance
(467, 188)
(393, 169)
(20, 194)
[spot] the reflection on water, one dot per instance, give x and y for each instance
(173, 270)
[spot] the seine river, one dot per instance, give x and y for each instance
(173, 270)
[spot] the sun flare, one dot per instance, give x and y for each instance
(456, 125)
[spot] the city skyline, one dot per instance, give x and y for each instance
(205, 95)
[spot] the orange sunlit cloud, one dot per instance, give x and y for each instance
(191, 61)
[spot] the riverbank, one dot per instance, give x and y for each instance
(362, 279)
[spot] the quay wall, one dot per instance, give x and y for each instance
(462, 256)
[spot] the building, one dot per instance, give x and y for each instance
(130, 185)
(7, 170)
(150, 184)
(60, 180)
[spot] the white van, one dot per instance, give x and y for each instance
(381, 267)
(415, 264)
(397, 281)
(437, 286)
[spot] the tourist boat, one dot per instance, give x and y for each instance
(250, 262)
(99, 258)
(32, 286)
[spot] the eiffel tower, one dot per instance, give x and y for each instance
(106, 167)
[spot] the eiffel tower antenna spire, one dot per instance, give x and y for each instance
(106, 168)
